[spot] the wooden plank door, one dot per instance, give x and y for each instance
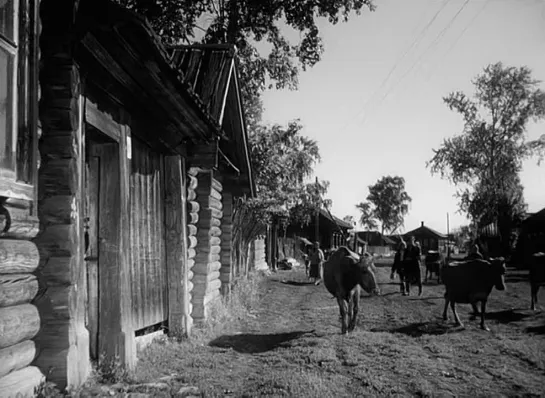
(92, 189)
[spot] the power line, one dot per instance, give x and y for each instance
(435, 41)
(485, 3)
(397, 62)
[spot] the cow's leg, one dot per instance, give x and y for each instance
(419, 281)
(456, 317)
(475, 311)
(483, 310)
(355, 299)
(534, 287)
(343, 307)
(445, 316)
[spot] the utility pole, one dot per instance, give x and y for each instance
(317, 216)
(448, 239)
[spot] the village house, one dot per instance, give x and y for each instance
(429, 238)
(120, 170)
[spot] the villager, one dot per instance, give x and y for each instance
(397, 266)
(411, 267)
(316, 263)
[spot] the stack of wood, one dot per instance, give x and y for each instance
(206, 271)
(19, 319)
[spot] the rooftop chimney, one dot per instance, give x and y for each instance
(422, 223)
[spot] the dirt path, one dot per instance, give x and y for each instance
(293, 347)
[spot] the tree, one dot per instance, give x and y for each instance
(486, 158)
(390, 202)
(367, 216)
(246, 23)
(350, 220)
(283, 160)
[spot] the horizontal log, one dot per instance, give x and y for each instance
(18, 256)
(213, 286)
(191, 253)
(193, 206)
(59, 147)
(17, 289)
(214, 193)
(192, 182)
(206, 268)
(215, 204)
(192, 241)
(21, 383)
(59, 240)
(194, 171)
(215, 241)
(193, 218)
(205, 257)
(18, 323)
(189, 289)
(57, 209)
(205, 278)
(205, 233)
(205, 249)
(190, 263)
(191, 229)
(216, 213)
(189, 275)
(58, 177)
(217, 185)
(191, 194)
(16, 357)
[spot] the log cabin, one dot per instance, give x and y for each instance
(117, 183)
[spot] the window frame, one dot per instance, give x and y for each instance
(24, 97)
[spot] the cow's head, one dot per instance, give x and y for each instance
(368, 280)
(498, 266)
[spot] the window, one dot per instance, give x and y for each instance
(18, 97)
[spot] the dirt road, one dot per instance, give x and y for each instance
(293, 346)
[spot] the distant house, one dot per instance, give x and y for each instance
(331, 233)
(376, 243)
(429, 238)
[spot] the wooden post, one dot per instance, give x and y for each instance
(176, 247)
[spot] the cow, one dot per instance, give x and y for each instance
(434, 262)
(537, 276)
(343, 274)
(471, 282)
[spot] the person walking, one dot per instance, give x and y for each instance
(316, 262)
(397, 266)
(411, 267)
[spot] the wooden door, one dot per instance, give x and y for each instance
(92, 185)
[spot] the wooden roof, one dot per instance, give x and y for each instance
(212, 73)
(426, 231)
(120, 54)
(375, 238)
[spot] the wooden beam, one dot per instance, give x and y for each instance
(176, 246)
(102, 120)
(204, 155)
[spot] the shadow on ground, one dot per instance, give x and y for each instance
(256, 343)
(536, 329)
(506, 316)
(421, 328)
(297, 283)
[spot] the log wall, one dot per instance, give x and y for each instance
(259, 258)
(226, 274)
(63, 334)
(206, 269)
(19, 319)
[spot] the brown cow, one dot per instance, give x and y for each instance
(537, 276)
(344, 273)
(470, 282)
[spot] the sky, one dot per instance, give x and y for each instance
(374, 102)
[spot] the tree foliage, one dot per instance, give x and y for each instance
(247, 24)
(283, 160)
(367, 216)
(487, 156)
(387, 202)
